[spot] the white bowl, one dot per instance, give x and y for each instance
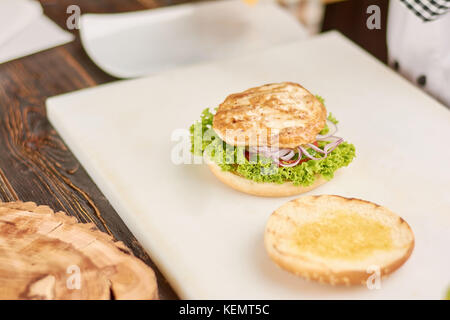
(135, 44)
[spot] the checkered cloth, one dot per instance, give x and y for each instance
(428, 10)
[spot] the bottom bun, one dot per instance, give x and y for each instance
(263, 189)
(337, 240)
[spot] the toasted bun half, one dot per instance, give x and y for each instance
(262, 189)
(284, 115)
(337, 240)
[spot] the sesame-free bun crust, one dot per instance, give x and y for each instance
(262, 189)
(290, 223)
(284, 115)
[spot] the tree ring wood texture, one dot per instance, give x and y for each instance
(47, 255)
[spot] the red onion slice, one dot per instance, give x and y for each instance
(332, 130)
(289, 155)
(315, 148)
(306, 153)
(294, 163)
(333, 145)
(331, 139)
(286, 154)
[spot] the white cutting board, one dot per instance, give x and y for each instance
(208, 239)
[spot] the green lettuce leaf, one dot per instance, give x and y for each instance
(330, 117)
(198, 130)
(304, 174)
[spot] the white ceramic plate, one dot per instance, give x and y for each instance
(16, 15)
(134, 44)
(40, 35)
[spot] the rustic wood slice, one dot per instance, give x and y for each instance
(47, 255)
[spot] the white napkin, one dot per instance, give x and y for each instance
(25, 30)
(15, 15)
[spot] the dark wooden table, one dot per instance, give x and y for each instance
(35, 164)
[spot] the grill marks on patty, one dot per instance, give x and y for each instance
(286, 112)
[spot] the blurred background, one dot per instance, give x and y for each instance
(54, 21)
(347, 16)
(113, 39)
(316, 16)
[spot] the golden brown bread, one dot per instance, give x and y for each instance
(262, 189)
(337, 240)
(284, 115)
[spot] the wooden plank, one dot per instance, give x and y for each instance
(35, 164)
(37, 245)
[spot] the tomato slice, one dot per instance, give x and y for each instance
(292, 161)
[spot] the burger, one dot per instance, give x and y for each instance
(274, 140)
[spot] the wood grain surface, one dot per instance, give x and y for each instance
(42, 252)
(35, 164)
